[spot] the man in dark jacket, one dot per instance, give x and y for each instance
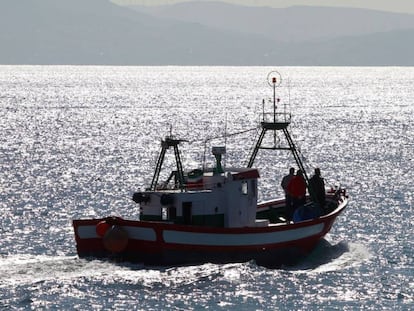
(317, 188)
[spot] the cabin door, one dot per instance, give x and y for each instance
(187, 212)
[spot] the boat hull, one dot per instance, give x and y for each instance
(160, 243)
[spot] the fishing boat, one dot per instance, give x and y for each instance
(212, 214)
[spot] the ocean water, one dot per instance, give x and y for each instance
(76, 142)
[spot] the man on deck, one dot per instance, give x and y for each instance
(317, 186)
(288, 198)
(297, 190)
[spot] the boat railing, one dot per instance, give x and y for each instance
(277, 117)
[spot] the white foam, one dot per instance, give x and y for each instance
(356, 255)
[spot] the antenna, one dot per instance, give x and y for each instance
(274, 79)
(288, 97)
(225, 140)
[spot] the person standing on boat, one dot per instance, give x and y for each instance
(317, 186)
(297, 189)
(288, 198)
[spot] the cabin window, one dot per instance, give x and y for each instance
(244, 188)
(168, 213)
(164, 213)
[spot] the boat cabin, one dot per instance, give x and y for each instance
(211, 197)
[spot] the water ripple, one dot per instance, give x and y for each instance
(77, 141)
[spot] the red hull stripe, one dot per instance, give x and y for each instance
(136, 233)
(247, 239)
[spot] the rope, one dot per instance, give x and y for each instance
(221, 136)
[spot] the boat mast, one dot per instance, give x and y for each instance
(279, 122)
(165, 145)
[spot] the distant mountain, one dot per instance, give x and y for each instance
(100, 32)
(293, 24)
(401, 6)
(394, 48)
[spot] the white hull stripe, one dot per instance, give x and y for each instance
(146, 234)
(211, 239)
(240, 239)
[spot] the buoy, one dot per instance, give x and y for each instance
(101, 228)
(115, 239)
(139, 197)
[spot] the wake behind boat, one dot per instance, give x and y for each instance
(213, 215)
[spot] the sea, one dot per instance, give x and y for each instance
(78, 141)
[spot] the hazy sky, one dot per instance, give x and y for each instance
(404, 6)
